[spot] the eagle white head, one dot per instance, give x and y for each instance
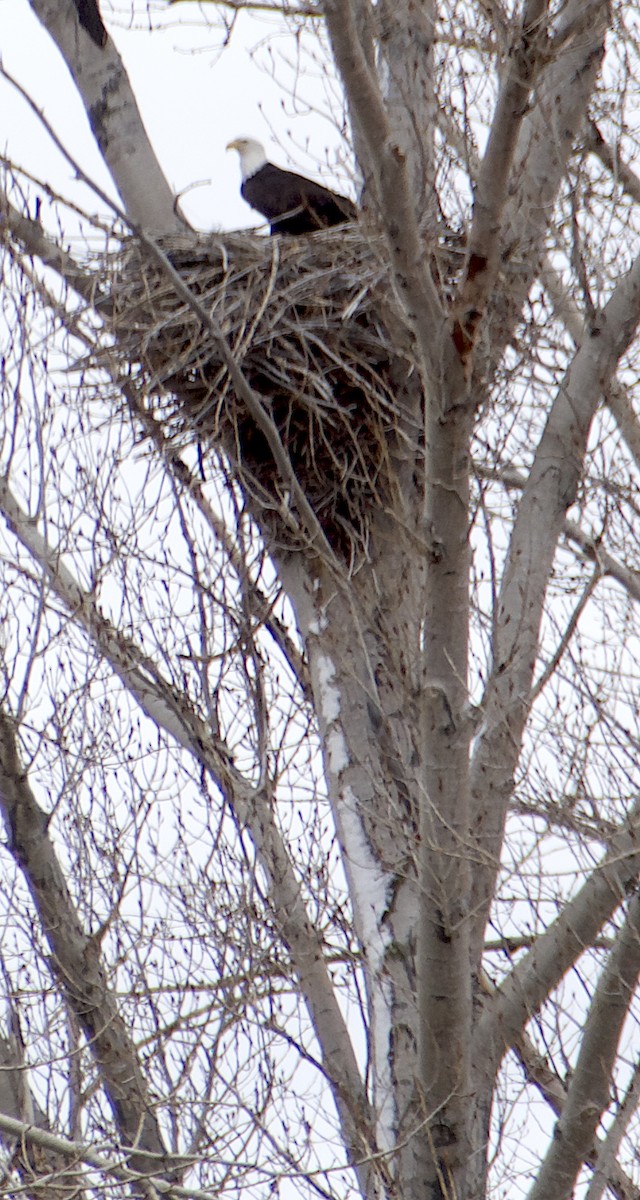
(252, 155)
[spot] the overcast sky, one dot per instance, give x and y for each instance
(196, 93)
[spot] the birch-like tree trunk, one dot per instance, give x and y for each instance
(321, 871)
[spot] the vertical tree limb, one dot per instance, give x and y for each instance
(100, 77)
(589, 1089)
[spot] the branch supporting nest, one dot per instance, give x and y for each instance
(313, 326)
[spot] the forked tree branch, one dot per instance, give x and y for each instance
(39, 1167)
(589, 1088)
(590, 546)
(549, 492)
(114, 116)
(607, 1173)
(30, 234)
(149, 1184)
(408, 254)
(171, 712)
(574, 930)
(141, 676)
(547, 139)
(485, 236)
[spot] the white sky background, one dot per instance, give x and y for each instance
(195, 94)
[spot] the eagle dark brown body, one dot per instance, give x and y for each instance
(291, 203)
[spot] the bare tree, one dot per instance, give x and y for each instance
(319, 734)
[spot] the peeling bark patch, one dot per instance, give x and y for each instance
(441, 931)
(99, 113)
(462, 341)
(91, 21)
(477, 264)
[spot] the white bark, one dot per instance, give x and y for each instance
(550, 491)
(114, 117)
(76, 957)
(406, 37)
(588, 1092)
(368, 751)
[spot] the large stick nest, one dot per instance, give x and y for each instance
(313, 326)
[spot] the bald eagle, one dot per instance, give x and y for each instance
(290, 202)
